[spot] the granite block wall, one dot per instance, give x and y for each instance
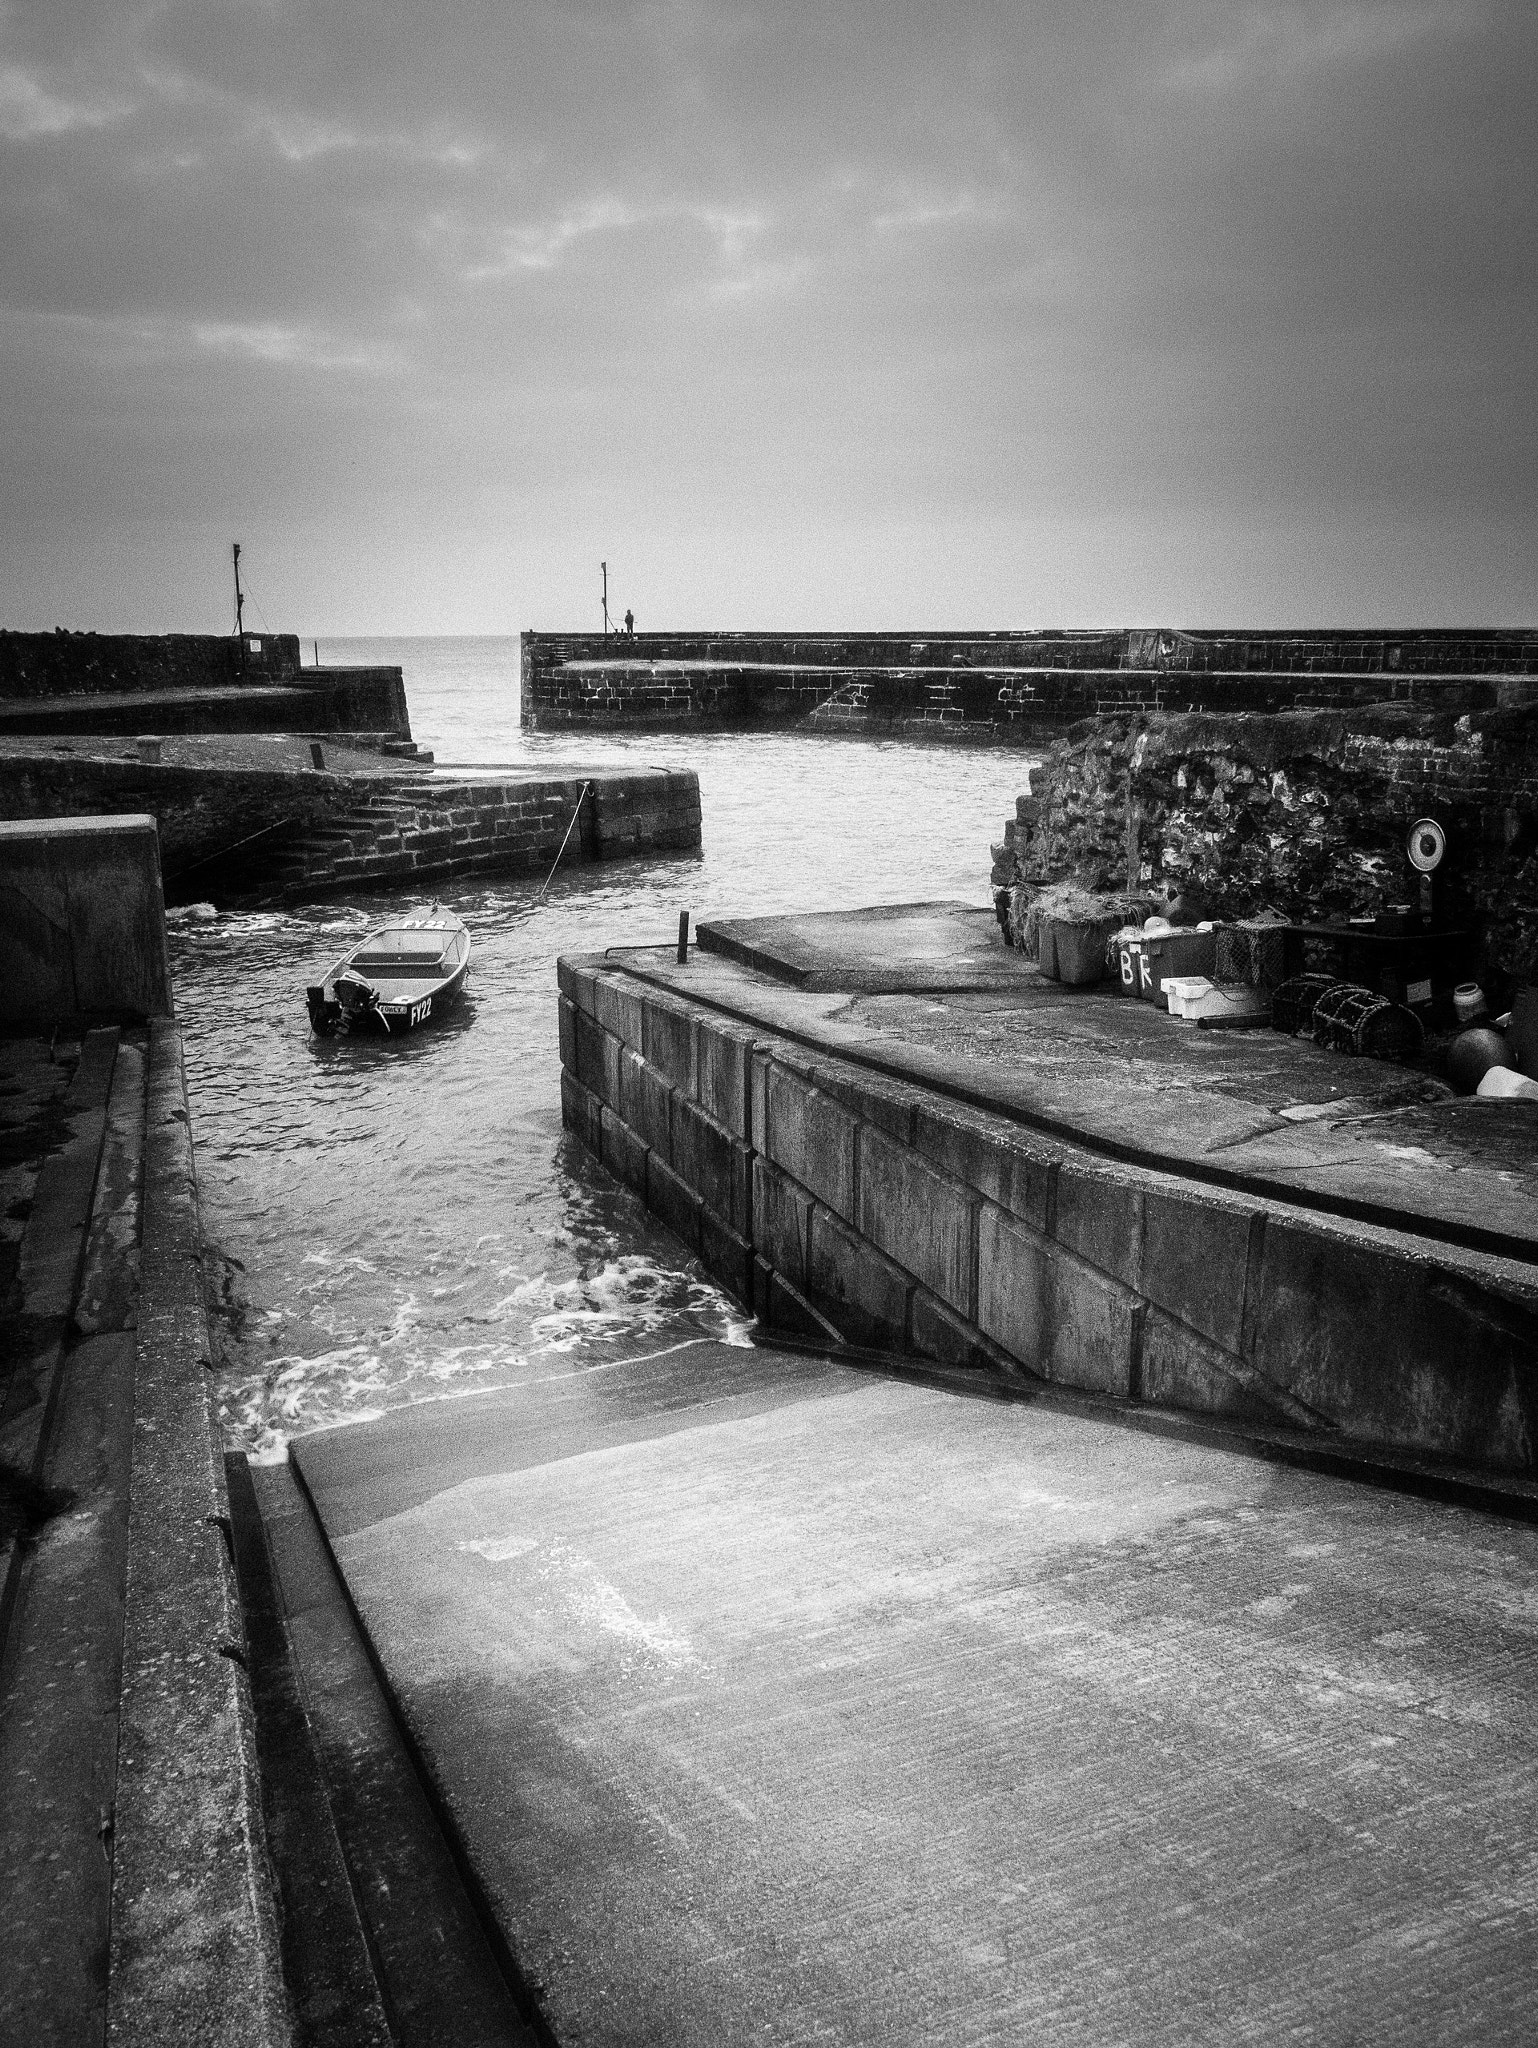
(841, 1204)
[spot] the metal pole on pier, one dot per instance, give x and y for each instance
(605, 568)
(240, 602)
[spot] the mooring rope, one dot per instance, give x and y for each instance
(581, 793)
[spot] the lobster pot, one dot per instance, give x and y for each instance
(1256, 953)
(1292, 1007)
(1348, 1018)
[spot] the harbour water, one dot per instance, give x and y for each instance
(407, 1221)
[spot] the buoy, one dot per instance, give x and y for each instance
(1473, 1054)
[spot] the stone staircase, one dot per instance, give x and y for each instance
(421, 830)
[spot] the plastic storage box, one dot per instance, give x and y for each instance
(1178, 954)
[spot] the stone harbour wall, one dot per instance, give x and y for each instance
(200, 809)
(841, 1203)
(244, 834)
(431, 827)
(365, 704)
(82, 921)
(1304, 813)
(63, 664)
(1002, 687)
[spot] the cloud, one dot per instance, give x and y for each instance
(1261, 43)
(539, 245)
(518, 277)
(274, 342)
(28, 110)
(123, 341)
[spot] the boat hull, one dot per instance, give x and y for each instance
(386, 985)
(382, 1020)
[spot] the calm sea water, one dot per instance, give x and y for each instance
(408, 1221)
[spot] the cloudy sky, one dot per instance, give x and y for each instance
(953, 314)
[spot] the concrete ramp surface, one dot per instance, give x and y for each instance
(776, 1700)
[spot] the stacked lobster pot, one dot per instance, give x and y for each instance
(1346, 1017)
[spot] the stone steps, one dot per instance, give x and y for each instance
(395, 835)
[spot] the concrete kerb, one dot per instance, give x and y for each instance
(195, 1955)
(923, 1224)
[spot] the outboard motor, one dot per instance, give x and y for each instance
(360, 1000)
(325, 1017)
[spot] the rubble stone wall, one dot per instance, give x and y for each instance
(1302, 812)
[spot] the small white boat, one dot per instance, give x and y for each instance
(395, 979)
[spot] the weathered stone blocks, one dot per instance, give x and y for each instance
(936, 1332)
(1099, 1216)
(1057, 1315)
(1196, 1259)
(622, 1151)
(618, 1006)
(725, 1061)
(922, 1219)
(1397, 1350)
(726, 1256)
(811, 1136)
(1010, 1170)
(714, 1163)
(864, 1293)
(580, 1111)
(781, 1209)
(674, 1201)
(668, 1040)
(598, 1058)
(646, 1103)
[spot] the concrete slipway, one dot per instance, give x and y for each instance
(771, 1699)
(781, 1694)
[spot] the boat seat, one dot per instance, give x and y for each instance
(398, 966)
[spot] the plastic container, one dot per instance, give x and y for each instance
(1081, 951)
(1183, 990)
(1506, 1084)
(1469, 1003)
(1122, 957)
(1234, 1003)
(1073, 950)
(1178, 955)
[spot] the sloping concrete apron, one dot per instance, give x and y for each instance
(776, 1700)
